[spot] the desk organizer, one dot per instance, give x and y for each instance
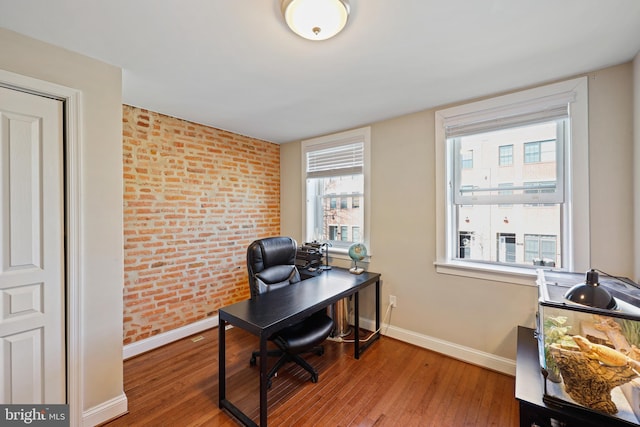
(590, 357)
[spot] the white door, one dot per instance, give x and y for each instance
(32, 313)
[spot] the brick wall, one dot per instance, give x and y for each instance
(194, 198)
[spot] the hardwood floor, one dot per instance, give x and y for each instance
(392, 384)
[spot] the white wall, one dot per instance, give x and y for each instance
(100, 211)
(471, 318)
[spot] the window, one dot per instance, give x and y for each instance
(479, 195)
(466, 159)
(489, 214)
(506, 155)
(539, 151)
(344, 233)
(540, 250)
(356, 233)
(336, 171)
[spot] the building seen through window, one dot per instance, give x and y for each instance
(512, 189)
(338, 217)
(335, 170)
(506, 204)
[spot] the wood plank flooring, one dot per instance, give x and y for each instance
(393, 384)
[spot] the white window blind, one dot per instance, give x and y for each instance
(342, 159)
(547, 109)
(524, 113)
(481, 189)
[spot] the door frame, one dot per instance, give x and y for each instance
(72, 126)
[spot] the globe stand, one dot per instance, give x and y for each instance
(357, 252)
(355, 269)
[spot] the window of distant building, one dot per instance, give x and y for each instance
(344, 233)
(540, 151)
(540, 134)
(540, 250)
(506, 155)
(466, 159)
(336, 171)
(356, 233)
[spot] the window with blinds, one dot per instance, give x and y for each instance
(335, 188)
(347, 159)
(516, 186)
(536, 130)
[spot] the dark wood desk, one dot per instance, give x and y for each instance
(534, 412)
(273, 311)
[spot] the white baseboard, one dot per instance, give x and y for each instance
(105, 411)
(142, 346)
(466, 354)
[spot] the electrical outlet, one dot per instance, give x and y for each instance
(392, 301)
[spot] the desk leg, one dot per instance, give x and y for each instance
(356, 325)
(263, 381)
(378, 308)
(359, 349)
(222, 378)
(223, 403)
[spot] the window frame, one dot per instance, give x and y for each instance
(333, 140)
(576, 250)
(466, 160)
(502, 157)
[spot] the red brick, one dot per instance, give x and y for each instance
(194, 197)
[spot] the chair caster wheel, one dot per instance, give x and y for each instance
(269, 385)
(314, 378)
(252, 361)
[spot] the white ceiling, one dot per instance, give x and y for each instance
(234, 65)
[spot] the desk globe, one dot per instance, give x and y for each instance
(357, 252)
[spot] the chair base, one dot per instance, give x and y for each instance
(287, 357)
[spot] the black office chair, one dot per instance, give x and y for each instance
(271, 266)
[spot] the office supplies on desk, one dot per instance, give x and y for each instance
(309, 256)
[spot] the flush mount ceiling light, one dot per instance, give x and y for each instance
(316, 19)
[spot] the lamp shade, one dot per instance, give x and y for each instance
(316, 19)
(591, 293)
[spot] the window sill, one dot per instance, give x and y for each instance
(497, 273)
(343, 253)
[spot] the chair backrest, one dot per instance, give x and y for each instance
(271, 263)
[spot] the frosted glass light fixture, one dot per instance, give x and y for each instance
(316, 19)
